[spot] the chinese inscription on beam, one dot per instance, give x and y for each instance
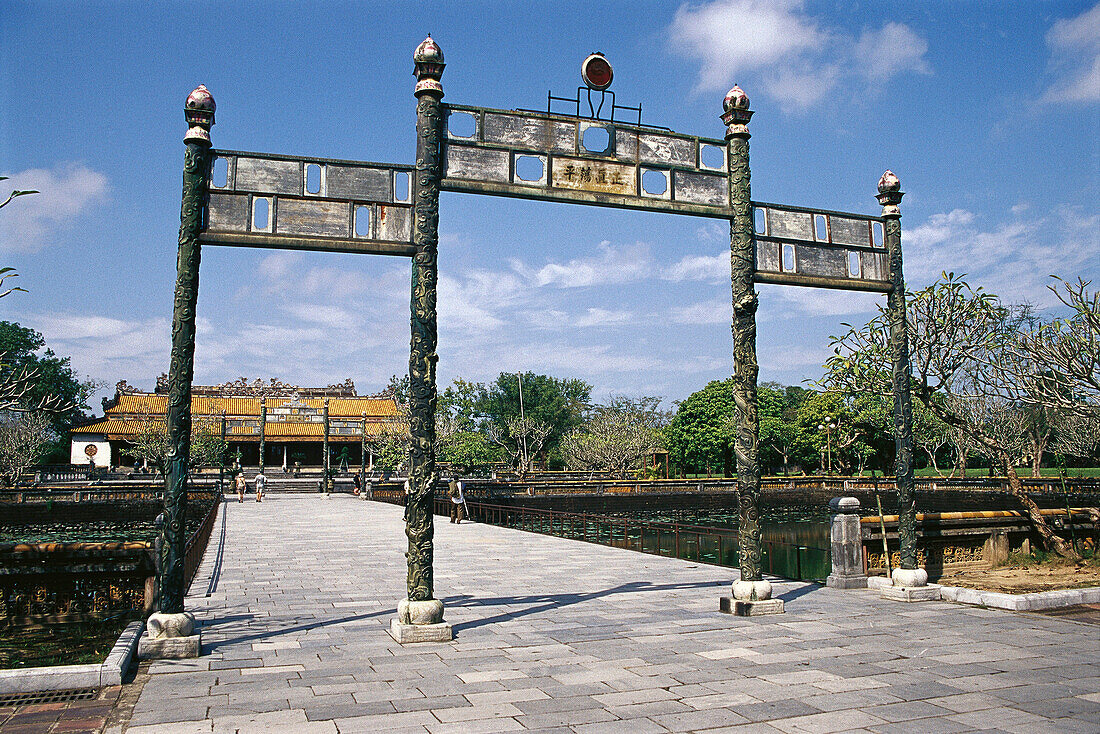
(588, 175)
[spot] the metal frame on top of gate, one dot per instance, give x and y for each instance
(276, 201)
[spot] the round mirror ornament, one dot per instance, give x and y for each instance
(596, 72)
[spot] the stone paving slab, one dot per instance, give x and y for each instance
(554, 635)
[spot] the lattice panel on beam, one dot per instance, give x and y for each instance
(276, 201)
(816, 247)
(536, 155)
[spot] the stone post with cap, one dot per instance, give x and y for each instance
(846, 545)
(420, 615)
(751, 593)
(170, 631)
(910, 583)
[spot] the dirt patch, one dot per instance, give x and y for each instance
(1028, 577)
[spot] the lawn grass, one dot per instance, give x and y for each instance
(63, 644)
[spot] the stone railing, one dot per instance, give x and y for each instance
(945, 540)
(56, 583)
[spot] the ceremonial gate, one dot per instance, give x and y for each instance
(278, 201)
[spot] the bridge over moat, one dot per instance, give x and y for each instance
(280, 201)
(559, 635)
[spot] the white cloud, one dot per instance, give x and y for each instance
(65, 192)
(714, 311)
(1012, 259)
(613, 265)
(1075, 45)
(105, 348)
(781, 302)
(712, 269)
(604, 317)
(891, 50)
(732, 37)
(789, 55)
(938, 228)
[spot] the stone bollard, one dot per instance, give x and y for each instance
(847, 545)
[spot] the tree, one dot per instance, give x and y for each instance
(964, 371)
(6, 273)
(521, 439)
(778, 411)
(701, 432)
(616, 436)
(837, 447)
(557, 404)
(467, 451)
(1064, 354)
(1078, 436)
(460, 403)
(391, 443)
(24, 438)
(150, 444)
(34, 381)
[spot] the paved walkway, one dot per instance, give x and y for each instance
(562, 636)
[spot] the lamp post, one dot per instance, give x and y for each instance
(828, 428)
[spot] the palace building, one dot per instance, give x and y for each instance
(289, 422)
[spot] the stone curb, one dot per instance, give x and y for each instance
(1012, 602)
(1022, 602)
(65, 677)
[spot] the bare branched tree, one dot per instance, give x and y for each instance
(616, 436)
(23, 441)
(963, 370)
(521, 439)
(17, 386)
(150, 443)
(1064, 354)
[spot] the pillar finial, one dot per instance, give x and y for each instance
(199, 113)
(736, 113)
(428, 67)
(889, 194)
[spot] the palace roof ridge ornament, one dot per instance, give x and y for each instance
(243, 387)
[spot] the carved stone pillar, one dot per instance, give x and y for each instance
(170, 629)
(325, 455)
(263, 432)
(908, 575)
(420, 615)
(751, 593)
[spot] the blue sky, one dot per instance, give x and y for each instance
(988, 112)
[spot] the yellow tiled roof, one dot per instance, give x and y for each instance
(338, 407)
(116, 427)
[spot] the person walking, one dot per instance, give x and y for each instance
(261, 483)
(408, 493)
(241, 485)
(357, 483)
(458, 501)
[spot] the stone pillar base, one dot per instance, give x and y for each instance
(846, 582)
(169, 648)
(402, 632)
(420, 621)
(745, 608)
(170, 636)
(930, 592)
